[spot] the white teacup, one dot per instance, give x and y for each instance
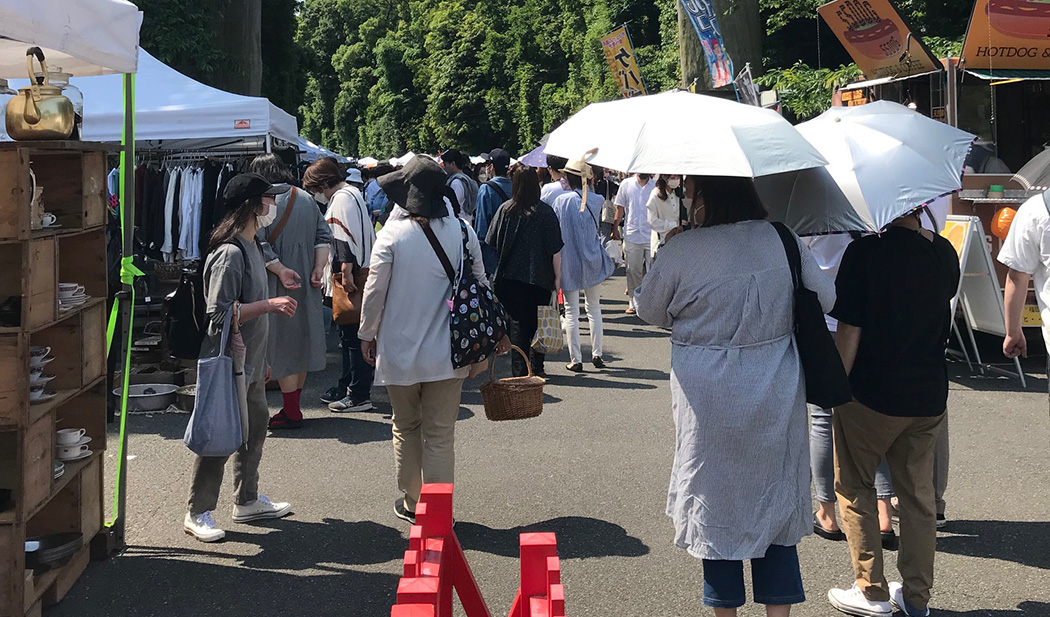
(39, 351)
(36, 392)
(68, 452)
(69, 292)
(69, 436)
(47, 219)
(38, 362)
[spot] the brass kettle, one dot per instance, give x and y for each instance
(40, 111)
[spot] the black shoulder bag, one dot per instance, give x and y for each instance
(827, 384)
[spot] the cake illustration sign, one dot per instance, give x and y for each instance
(1008, 35)
(877, 39)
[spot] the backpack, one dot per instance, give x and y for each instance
(379, 203)
(184, 319)
(471, 192)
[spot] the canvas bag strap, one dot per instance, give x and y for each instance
(226, 321)
(284, 219)
(791, 249)
(440, 252)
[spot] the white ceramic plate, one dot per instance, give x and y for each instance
(83, 442)
(40, 362)
(47, 396)
(41, 380)
(82, 455)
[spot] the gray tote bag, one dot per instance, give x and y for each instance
(215, 428)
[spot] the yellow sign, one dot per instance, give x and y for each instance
(1030, 317)
(1008, 34)
(877, 38)
(956, 232)
(620, 55)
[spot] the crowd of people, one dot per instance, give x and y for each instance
(700, 261)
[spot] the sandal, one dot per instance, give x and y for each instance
(279, 422)
(834, 536)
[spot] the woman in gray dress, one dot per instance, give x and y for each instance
(740, 482)
(235, 280)
(295, 246)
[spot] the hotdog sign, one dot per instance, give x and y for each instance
(1008, 34)
(877, 38)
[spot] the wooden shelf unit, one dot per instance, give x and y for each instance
(32, 264)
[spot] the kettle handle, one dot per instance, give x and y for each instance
(41, 79)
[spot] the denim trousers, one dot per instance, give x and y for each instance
(357, 374)
(775, 579)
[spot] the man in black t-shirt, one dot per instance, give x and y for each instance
(893, 306)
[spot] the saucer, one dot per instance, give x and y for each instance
(58, 469)
(82, 455)
(41, 380)
(51, 226)
(83, 442)
(47, 396)
(40, 362)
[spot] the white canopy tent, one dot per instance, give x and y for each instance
(311, 151)
(85, 37)
(174, 111)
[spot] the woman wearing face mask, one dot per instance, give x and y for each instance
(353, 237)
(664, 209)
(235, 285)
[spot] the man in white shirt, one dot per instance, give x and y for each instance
(557, 186)
(631, 202)
(1026, 252)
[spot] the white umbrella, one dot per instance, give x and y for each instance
(886, 160)
(684, 133)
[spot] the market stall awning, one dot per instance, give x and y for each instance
(999, 74)
(84, 37)
(311, 151)
(174, 111)
(857, 85)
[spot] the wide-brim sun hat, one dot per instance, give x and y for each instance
(418, 187)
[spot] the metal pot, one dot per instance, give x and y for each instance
(149, 396)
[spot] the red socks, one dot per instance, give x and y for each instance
(291, 405)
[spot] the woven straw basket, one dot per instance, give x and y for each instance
(513, 398)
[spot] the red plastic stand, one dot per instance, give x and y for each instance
(435, 565)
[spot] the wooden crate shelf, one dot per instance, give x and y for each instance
(32, 264)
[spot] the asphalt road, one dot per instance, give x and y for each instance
(593, 468)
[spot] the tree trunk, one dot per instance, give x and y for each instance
(741, 30)
(238, 34)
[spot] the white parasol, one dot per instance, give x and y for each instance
(684, 133)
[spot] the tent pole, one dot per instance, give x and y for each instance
(269, 144)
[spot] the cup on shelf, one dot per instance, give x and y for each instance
(64, 453)
(39, 351)
(69, 290)
(38, 362)
(37, 392)
(69, 436)
(47, 219)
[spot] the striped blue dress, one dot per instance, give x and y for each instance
(740, 480)
(584, 262)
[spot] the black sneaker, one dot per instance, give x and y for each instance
(575, 368)
(890, 542)
(598, 362)
(402, 512)
(333, 394)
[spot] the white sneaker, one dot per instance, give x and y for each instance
(852, 602)
(203, 527)
(347, 404)
(897, 600)
(261, 508)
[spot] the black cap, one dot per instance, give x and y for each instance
(454, 156)
(498, 157)
(247, 186)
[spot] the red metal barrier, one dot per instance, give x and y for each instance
(435, 565)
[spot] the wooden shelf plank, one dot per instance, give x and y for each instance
(40, 410)
(62, 316)
(60, 232)
(7, 517)
(73, 470)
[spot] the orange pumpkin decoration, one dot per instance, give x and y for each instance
(1003, 219)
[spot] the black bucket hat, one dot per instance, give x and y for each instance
(418, 187)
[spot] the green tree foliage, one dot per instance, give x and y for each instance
(806, 91)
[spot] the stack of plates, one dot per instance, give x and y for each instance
(64, 304)
(59, 469)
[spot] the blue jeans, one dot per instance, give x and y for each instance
(357, 374)
(822, 459)
(776, 580)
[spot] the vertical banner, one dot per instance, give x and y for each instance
(619, 53)
(746, 90)
(705, 21)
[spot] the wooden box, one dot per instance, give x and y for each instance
(14, 194)
(66, 343)
(37, 463)
(93, 347)
(86, 411)
(42, 277)
(74, 186)
(14, 378)
(82, 260)
(12, 559)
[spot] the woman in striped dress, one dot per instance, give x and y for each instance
(584, 262)
(740, 481)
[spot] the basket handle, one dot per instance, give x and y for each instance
(492, 365)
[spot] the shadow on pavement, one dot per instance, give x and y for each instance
(299, 545)
(579, 537)
(148, 585)
(1026, 543)
(1024, 609)
(584, 380)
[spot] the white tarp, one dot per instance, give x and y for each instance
(84, 37)
(170, 107)
(312, 151)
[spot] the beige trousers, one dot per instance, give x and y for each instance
(424, 416)
(863, 437)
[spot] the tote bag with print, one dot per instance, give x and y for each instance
(550, 338)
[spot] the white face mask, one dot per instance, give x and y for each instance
(264, 220)
(320, 198)
(673, 183)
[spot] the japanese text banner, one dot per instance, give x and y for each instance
(705, 21)
(620, 55)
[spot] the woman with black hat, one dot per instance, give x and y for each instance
(405, 324)
(235, 280)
